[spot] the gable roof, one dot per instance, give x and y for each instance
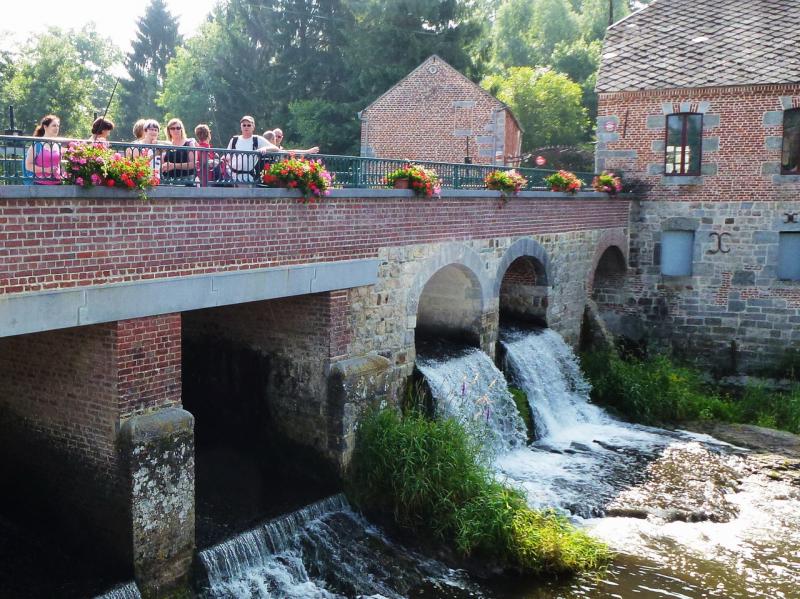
(435, 59)
(702, 43)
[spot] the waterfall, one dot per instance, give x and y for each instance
(324, 551)
(470, 388)
(544, 366)
(126, 591)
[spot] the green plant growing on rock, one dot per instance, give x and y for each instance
(431, 478)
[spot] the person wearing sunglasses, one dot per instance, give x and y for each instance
(178, 165)
(245, 165)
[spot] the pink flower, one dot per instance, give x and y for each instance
(95, 179)
(79, 181)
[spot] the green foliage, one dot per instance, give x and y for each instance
(431, 476)
(657, 391)
(524, 409)
(66, 73)
(326, 124)
(547, 105)
(155, 45)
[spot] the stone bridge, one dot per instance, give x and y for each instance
(111, 306)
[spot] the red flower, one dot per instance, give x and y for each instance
(110, 182)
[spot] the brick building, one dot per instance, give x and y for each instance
(699, 103)
(435, 113)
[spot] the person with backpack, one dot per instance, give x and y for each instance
(245, 167)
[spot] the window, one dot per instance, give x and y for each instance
(676, 253)
(789, 256)
(790, 156)
(684, 135)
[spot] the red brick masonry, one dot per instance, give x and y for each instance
(65, 243)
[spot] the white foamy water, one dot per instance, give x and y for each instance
(125, 591)
(323, 551)
(471, 389)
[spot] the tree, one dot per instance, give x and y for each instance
(546, 103)
(527, 31)
(62, 72)
(155, 45)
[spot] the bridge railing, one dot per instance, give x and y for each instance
(220, 167)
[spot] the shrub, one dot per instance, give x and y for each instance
(657, 391)
(433, 478)
(564, 181)
(296, 172)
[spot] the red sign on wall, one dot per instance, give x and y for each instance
(610, 126)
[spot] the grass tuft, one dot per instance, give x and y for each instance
(432, 477)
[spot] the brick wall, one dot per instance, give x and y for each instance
(742, 129)
(426, 116)
(51, 244)
(733, 312)
(299, 337)
(63, 396)
(149, 363)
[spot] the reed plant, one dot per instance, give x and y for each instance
(432, 478)
(657, 390)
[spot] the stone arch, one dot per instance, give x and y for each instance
(525, 247)
(613, 238)
(522, 282)
(450, 254)
(448, 296)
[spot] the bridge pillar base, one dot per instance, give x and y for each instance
(158, 449)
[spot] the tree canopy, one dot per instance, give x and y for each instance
(309, 66)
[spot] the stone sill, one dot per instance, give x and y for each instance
(73, 192)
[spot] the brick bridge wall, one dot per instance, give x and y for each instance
(107, 395)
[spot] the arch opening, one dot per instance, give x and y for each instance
(609, 280)
(524, 293)
(450, 307)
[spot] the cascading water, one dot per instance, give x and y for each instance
(470, 388)
(593, 466)
(323, 551)
(126, 591)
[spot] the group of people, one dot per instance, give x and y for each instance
(180, 163)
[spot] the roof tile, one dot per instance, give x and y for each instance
(699, 43)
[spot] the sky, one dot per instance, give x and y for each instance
(114, 18)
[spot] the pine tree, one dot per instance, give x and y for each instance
(156, 42)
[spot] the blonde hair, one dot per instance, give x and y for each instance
(138, 129)
(173, 122)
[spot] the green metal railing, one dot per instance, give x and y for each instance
(348, 171)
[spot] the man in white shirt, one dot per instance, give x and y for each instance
(241, 163)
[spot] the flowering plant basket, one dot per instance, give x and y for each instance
(422, 181)
(505, 181)
(96, 164)
(608, 182)
(564, 181)
(295, 172)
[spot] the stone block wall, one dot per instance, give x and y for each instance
(733, 312)
(733, 296)
(384, 316)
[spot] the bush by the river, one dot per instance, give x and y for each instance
(431, 479)
(657, 390)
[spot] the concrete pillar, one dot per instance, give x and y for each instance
(91, 425)
(355, 384)
(159, 455)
